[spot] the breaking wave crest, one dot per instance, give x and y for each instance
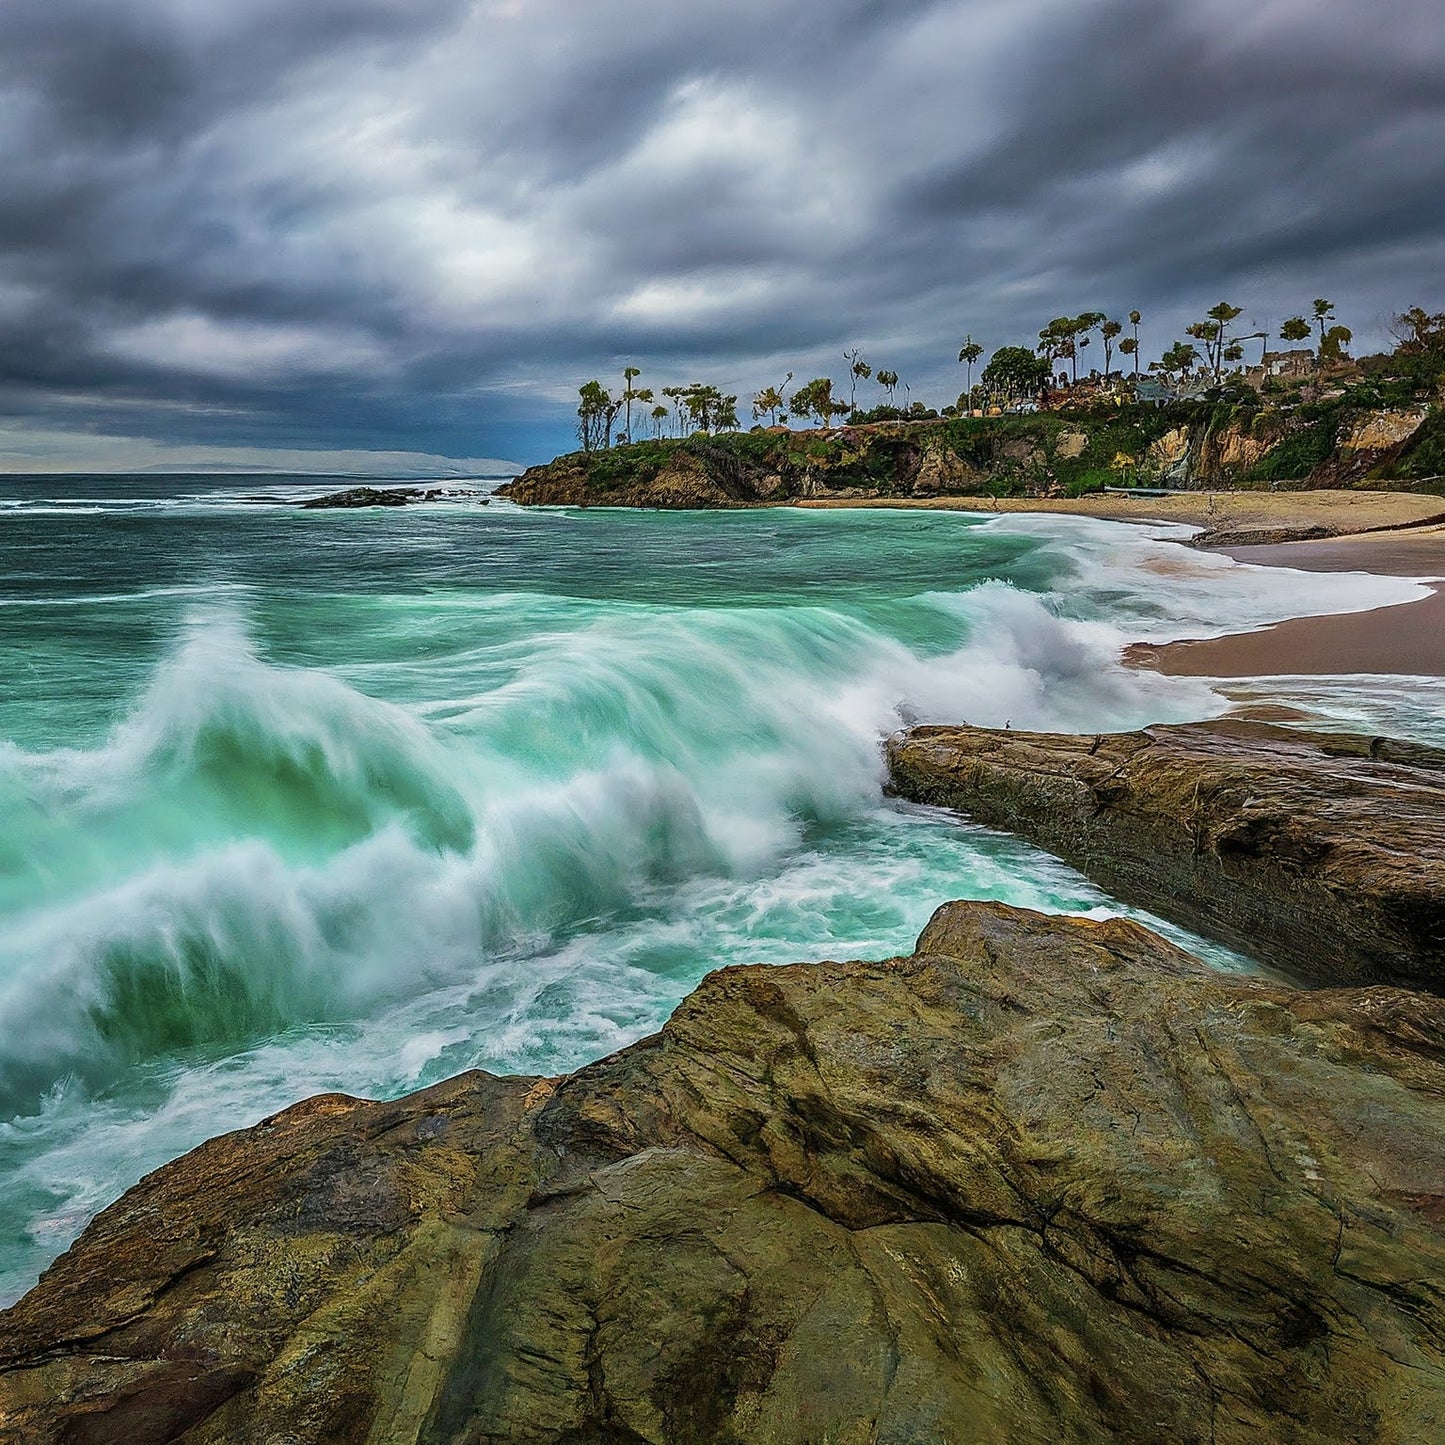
(414, 827)
(258, 846)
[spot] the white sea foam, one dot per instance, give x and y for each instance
(517, 836)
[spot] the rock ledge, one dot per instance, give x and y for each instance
(1047, 1179)
(1322, 854)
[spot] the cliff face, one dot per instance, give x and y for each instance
(1188, 445)
(1046, 1179)
(1323, 854)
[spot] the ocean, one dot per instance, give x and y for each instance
(296, 801)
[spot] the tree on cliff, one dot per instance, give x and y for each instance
(1180, 357)
(630, 394)
(1213, 332)
(858, 370)
(968, 354)
(1332, 347)
(888, 380)
(659, 419)
(772, 401)
(1417, 332)
(675, 394)
(816, 399)
(768, 403)
(1295, 329)
(1057, 342)
(1014, 371)
(1419, 345)
(596, 412)
(707, 408)
(1084, 323)
(1323, 311)
(1129, 346)
(1109, 330)
(1206, 332)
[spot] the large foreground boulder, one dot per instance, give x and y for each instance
(1045, 1180)
(1320, 853)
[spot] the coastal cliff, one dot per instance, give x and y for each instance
(1044, 1179)
(1320, 853)
(1184, 445)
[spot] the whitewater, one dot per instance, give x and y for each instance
(300, 801)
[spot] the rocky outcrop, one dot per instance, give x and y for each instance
(1047, 1179)
(1383, 431)
(942, 472)
(690, 475)
(387, 497)
(1189, 445)
(1320, 853)
(1167, 459)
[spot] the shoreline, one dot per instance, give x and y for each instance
(1402, 639)
(1392, 534)
(1275, 518)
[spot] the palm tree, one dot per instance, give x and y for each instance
(968, 353)
(629, 375)
(1134, 319)
(1222, 315)
(1109, 330)
(1084, 323)
(858, 370)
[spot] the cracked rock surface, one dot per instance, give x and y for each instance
(1045, 1180)
(1322, 854)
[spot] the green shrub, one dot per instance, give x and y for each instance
(1425, 455)
(1095, 479)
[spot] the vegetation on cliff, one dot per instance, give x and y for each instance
(1316, 418)
(1378, 437)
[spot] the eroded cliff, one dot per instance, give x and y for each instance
(1185, 445)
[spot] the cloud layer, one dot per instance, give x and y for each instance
(419, 224)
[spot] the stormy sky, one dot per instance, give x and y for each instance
(234, 231)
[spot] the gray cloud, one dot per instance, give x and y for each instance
(419, 224)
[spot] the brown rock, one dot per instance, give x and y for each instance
(942, 470)
(1047, 1179)
(1320, 853)
(1169, 456)
(1382, 431)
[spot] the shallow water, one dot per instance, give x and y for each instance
(297, 801)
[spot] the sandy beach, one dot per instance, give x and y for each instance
(1340, 513)
(1397, 534)
(1407, 639)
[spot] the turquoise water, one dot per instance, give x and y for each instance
(297, 801)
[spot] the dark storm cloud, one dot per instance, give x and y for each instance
(419, 224)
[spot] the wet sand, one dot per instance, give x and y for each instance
(1340, 512)
(1406, 639)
